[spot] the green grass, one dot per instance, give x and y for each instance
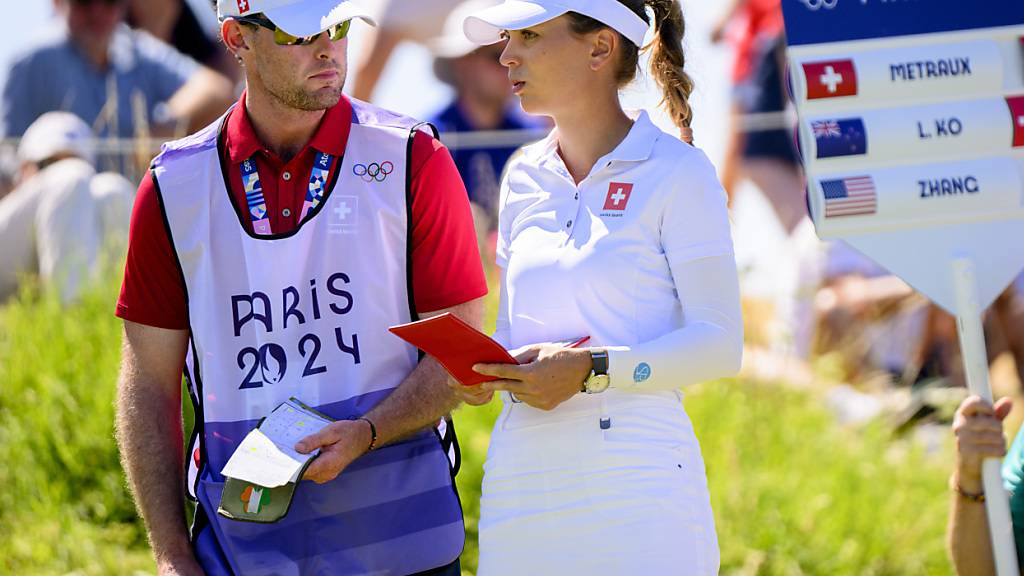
(63, 503)
(793, 492)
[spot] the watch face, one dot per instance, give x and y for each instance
(598, 383)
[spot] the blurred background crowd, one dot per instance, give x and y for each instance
(89, 96)
(90, 88)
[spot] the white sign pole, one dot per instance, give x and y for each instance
(972, 344)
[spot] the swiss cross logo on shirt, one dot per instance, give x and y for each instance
(243, 6)
(618, 196)
(344, 210)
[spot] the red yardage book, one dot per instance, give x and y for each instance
(456, 345)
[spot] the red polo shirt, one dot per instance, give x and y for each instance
(445, 262)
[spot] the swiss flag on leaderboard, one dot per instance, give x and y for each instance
(618, 196)
(1017, 116)
(830, 79)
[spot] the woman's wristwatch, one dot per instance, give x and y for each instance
(598, 380)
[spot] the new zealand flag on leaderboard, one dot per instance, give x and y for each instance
(834, 138)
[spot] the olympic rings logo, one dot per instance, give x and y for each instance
(819, 4)
(373, 172)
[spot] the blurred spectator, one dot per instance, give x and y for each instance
(483, 101)
(877, 323)
(1005, 330)
(760, 146)
(124, 83)
(56, 221)
(397, 21)
(978, 427)
(174, 22)
(874, 320)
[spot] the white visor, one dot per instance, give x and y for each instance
(485, 26)
(297, 17)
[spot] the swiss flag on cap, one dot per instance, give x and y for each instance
(830, 79)
(618, 196)
(243, 6)
(1017, 117)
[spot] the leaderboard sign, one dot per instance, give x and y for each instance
(911, 115)
(911, 128)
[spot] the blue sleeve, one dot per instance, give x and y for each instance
(20, 100)
(1013, 481)
(166, 70)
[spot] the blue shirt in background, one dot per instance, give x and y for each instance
(481, 168)
(53, 74)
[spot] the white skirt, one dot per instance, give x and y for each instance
(563, 494)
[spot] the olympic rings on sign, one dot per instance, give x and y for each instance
(818, 4)
(372, 172)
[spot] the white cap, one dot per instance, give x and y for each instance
(485, 27)
(56, 133)
(297, 17)
(452, 43)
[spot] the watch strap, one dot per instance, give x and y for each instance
(600, 362)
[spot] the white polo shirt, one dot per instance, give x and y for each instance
(598, 259)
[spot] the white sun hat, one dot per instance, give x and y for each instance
(297, 17)
(485, 26)
(56, 133)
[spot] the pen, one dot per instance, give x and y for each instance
(578, 343)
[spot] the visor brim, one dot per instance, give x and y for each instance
(485, 27)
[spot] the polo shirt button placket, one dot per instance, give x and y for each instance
(286, 212)
(286, 176)
(571, 221)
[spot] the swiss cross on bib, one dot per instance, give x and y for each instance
(618, 196)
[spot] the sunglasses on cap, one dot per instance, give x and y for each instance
(282, 38)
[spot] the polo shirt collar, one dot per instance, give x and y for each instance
(637, 146)
(331, 136)
(639, 141)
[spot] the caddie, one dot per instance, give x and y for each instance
(268, 255)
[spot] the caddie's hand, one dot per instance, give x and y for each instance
(548, 374)
(340, 443)
(978, 427)
(473, 395)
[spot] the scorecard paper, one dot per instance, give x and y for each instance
(456, 345)
(266, 456)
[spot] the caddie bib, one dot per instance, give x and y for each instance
(305, 314)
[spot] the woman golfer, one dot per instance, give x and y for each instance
(612, 229)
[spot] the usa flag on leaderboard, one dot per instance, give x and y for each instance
(855, 196)
(834, 138)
